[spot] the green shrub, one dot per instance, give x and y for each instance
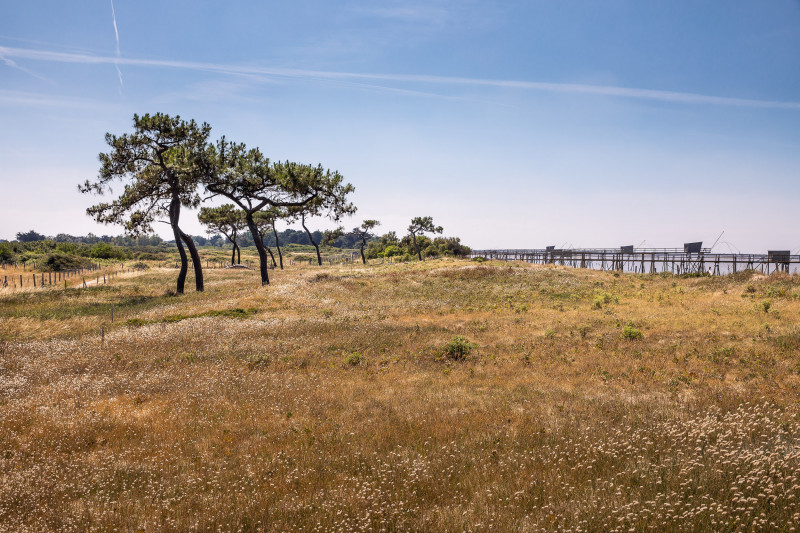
(391, 251)
(775, 292)
(6, 252)
(354, 359)
(103, 250)
(58, 262)
(629, 332)
(458, 348)
(147, 256)
(430, 251)
(603, 298)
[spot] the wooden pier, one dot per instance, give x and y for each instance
(651, 260)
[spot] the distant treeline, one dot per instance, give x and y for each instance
(69, 251)
(49, 254)
(33, 236)
(289, 236)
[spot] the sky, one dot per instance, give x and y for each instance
(514, 124)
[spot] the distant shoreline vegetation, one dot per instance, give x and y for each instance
(64, 251)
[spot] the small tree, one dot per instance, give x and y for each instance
(160, 164)
(363, 233)
(331, 201)
(250, 181)
(266, 221)
(329, 236)
(229, 221)
(419, 226)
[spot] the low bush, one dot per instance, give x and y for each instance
(59, 262)
(103, 250)
(148, 256)
(629, 332)
(354, 359)
(458, 348)
(603, 298)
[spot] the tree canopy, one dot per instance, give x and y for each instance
(226, 219)
(160, 165)
(164, 164)
(363, 234)
(419, 226)
(252, 182)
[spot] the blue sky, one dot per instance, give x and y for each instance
(513, 124)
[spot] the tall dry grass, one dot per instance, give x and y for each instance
(327, 402)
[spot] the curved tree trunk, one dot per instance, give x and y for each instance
(232, 239)
(198, 265)
(416, 246)
(184, 262)
(363, 244)
(277, 244)
(274, 264)
(238, 254)
(262, 253)
(174, 215)
(310, 238)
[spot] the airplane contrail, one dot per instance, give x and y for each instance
(13, 64)
(119, 54)
(239, 70)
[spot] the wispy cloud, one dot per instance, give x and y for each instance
(19, 99)
(11, 63)
(321, 75)
(116, 35)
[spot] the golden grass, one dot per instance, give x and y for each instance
(329, 404)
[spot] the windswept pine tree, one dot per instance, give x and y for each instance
(363, 233)
(253, 183)
(420, 226)
(228, 220)
(331, 202)
(160, 165)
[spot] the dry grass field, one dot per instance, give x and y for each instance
(436, 396)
